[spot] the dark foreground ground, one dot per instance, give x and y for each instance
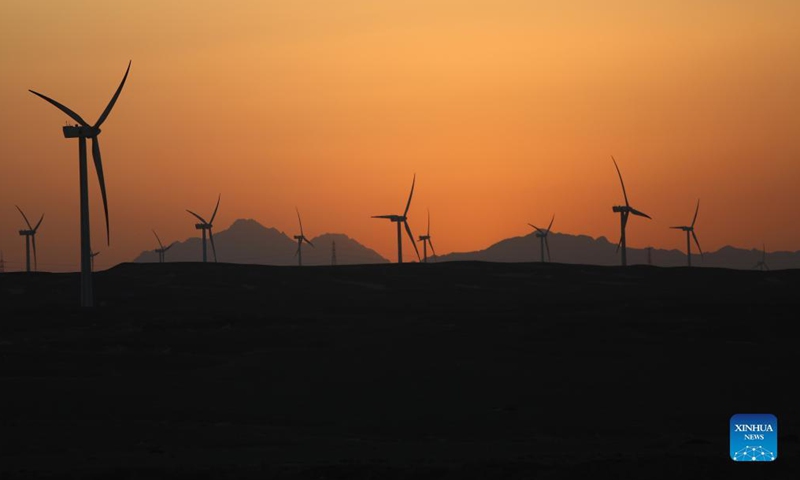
(451, 370)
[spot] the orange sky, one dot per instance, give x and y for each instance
(507, 112)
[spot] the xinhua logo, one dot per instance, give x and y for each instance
(754, 437)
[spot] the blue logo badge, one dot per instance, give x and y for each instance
(754, 437)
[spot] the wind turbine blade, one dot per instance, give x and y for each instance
(33, 241)
(297, 252)
(308, 242)
(547, 247)
(619, 244)
(697, 242)
(620, 181)
(198, 216)
(38, 223)
(641, 214)
(405, 213)
(383, 216)
(695, 212)
(159, 240)
(215, 209)
(113, 99)
(64, 109)
(169, 246)
(537, 228)
(299, 221)
(429, 223)
(411, 236)
(23, 216)
(551, 225)
(98, 166)
(430, 242)
(213, 248)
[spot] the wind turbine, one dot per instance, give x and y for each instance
(94, 254)
(624, 211)
(426, 240)
(30, 238)
(542, 234)
(82, 131)
(162, 250)
(762, 264)
(690, 230)
(403, 219)
(300, 239)
(206, 226)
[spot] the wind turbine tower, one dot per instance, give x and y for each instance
(82, 130)
(30, 238)
(689, 235)
(542, 235)
(300, 239)
(624, 211)
(403, 220)
(426, 240)
(206, 226)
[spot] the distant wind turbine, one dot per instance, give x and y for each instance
(542, 235)
(94, 254)
(300, 239)
(30, 238)
(162, 250)
(624, 211)
(403, 219)
(690, 230)
(82, 131)
(206, 226)
(762, 264)
(426, 240)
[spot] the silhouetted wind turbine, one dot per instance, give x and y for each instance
(690, 230)
(300, 239)
(542, 235)
(82, 131)
(403, 219)
(624, 211)
(762, 264)
(30, 237)
(203, 225)
(162, 250)
(426, 240)
(94, 254)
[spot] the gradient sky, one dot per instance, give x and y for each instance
(507, 111)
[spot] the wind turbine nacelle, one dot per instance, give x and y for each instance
(619, 209)
(26, 232)
(200, 226)
(298, 237)
(78, 131)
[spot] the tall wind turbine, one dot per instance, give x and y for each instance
(690, 230)
(30, 238)
(94, 254)
(403, 219)
(624, 211)
(82, 131)
(426, 240)
(542, 235)
(300, 239)
(206, 226)
(162, 250)
(762, 264)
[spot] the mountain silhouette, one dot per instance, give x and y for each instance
(247, 241)
(582, 249)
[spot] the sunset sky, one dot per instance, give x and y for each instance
(507, 111)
